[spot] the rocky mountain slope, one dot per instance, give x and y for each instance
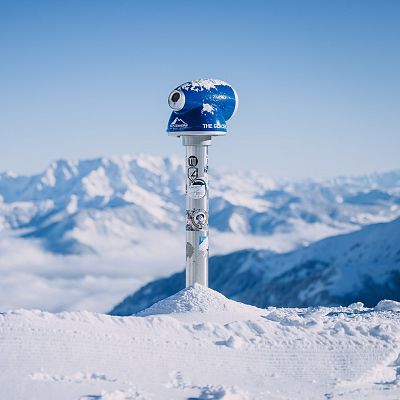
(360, 266)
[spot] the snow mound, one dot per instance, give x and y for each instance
(387, 305)
(197, 299)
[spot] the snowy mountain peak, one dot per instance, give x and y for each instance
(359, 266)
(118, 193)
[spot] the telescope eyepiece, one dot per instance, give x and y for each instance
(175, 97)
(176, 100)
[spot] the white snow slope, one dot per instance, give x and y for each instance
(199, 345)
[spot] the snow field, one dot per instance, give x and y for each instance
(200, 345)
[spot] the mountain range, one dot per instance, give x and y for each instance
(85, 234)
(78, 207)
(362, 266)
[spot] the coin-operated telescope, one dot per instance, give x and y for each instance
(201, 109)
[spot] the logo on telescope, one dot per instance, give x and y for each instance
(178, 123)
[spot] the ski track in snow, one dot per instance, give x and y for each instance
(200, 345)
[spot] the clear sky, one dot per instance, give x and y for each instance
(318, 81)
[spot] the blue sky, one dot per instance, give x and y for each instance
(318, 81)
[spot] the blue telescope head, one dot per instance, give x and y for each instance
(201, 107)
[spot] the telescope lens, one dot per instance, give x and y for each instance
(176, 100)
(175, 97)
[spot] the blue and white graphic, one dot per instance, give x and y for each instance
(201, 107)
(203, 245)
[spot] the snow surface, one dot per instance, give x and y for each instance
(209, 108)
(200, 300)
(200, 345)
(203, 84)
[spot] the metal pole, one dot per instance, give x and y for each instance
(201, 109)
(196, 209)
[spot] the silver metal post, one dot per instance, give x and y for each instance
(201, 109)
(196, 209)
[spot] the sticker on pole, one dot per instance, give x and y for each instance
(197, 189)
(189, 250)
(193, 173)
(203, 245)
(192, 161)
(199, 219)
(196, 220)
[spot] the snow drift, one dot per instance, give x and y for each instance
(200, 345)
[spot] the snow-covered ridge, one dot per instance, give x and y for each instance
(86, 233)
(73, 203)
(226, 350)
(359, 266)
